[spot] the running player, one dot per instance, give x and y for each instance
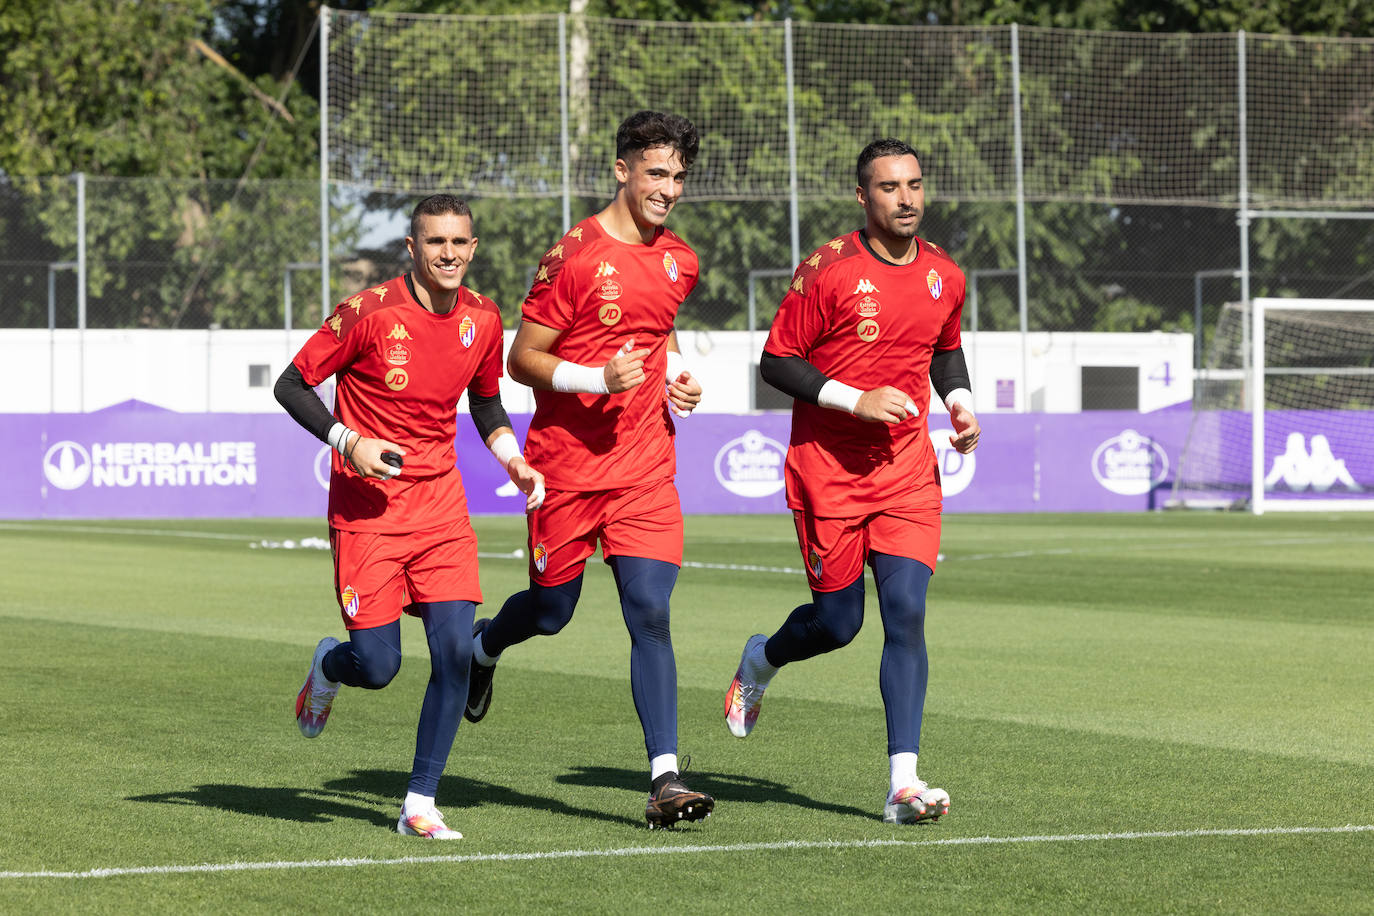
(403, 353)
(871, 319)
(598, 347)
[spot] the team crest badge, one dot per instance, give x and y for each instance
(813, 562)
(541, 557)
(349, 599)
(467, 330)
(670, 265)
(933, 281)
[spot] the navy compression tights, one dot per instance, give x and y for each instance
(645, 586)
(371, 658)
(833, 619)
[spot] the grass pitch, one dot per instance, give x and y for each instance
(1153, 712)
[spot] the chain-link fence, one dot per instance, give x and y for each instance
(1135, 181)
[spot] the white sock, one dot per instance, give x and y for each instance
(416, 804)
(759, 669)
(480, 656)
(663, 763)
(903, 771)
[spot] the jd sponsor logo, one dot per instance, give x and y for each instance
(956, 470)
(69, 465)
(751, 465)
(1130, 464)
(1317, 469)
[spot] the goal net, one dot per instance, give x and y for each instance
(1283, 415)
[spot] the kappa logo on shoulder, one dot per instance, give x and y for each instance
(865, 285)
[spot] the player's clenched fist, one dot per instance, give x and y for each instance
(626, 368)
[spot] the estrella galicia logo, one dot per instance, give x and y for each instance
(67, 465)
(1130, 464)
(751, 465)
(322, 466)
(956, 470)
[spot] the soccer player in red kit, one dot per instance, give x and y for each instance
(403, 353)
(871, 319)
(598, 347)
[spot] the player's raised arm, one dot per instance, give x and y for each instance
(368, 456)
(795, 376)
(682, 388)
(493, 425)
(949, 374)
(532, 363)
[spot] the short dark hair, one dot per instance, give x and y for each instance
(649, 129)
(888, 146)
(438, 205)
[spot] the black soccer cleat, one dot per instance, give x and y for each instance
(479, 681)
(672, 803)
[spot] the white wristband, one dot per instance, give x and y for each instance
(959, 396)
(573, 377)
(839, 396)
(338, 437)
(676, 365)
(506, 449)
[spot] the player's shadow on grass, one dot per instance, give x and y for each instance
(720, 786)
(365, 795)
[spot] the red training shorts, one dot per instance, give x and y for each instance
(834, 549)
(377, 575)
(641, 521)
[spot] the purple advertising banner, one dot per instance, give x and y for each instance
(138, 461)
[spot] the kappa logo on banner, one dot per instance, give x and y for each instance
(956, 470)
(1130, 464)
(1319, 470)
(69, 465)
(751, 465)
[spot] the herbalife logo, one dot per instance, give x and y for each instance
(70, 465)
(865, 286)
(67, 465)
(1298, 469)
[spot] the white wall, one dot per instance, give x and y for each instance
(70, 371)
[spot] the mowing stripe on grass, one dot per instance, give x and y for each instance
(686, 850)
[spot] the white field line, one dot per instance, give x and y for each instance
(630, 851)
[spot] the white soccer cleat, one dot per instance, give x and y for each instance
(317, 693)
(428, 824)
(914, 804)
(745, 695)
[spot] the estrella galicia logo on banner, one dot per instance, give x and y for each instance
(751, 465)
(1130, 464)
(956, 470)
(67, 465)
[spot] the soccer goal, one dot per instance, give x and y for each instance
(1283, 415)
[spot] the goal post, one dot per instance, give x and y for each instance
(1313, 365)
(1283, 415)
